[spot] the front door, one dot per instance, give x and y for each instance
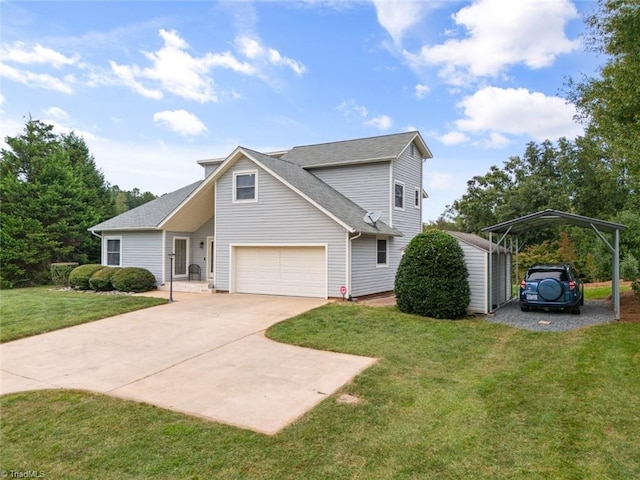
(210, 257)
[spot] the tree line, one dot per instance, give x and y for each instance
(51, 192)
(596, 175)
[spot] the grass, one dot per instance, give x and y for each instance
(448, 400)
(601, 292)
(30, 311)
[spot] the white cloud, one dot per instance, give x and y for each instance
(253, 50)
(500, 33)
(398, 16)
(178, 72)
(127, 76)
(422, 90)
(513, 111)
(496, 140)
(181, 121)
(56, 112)
(38, 80)
(454, 138)
(381, 122)
(19, 52)
(350, 107)
(175, 70)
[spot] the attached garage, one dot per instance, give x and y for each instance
(299, 271)
(477, 256)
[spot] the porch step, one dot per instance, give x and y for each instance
(188, 287)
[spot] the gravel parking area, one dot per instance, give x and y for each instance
(594, 312)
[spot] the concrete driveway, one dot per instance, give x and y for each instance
(205, 356)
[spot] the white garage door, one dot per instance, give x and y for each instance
(297, 271)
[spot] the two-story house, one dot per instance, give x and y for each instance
(321, 220)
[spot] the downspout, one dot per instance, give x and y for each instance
(351, 239)
(93, 232)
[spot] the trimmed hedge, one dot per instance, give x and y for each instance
(432, 279)
(60, 272)
(101, 280)
(80, 276)
(133, 279)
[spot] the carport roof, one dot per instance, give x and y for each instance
(551, 217)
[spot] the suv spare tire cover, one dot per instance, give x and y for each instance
(550, 289)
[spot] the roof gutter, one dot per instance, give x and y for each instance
(93, 232)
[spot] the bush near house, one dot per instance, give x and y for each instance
(629, 267)
(133, 279)
(101, 280)
(60, 273)
(635, 286)
(432, 279)
(80, 276)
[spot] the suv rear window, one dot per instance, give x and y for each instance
(560, 275)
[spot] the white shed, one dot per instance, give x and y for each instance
(476, 255)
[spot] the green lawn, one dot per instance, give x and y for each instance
(448, 400)
(30, 311)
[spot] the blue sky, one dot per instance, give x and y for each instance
(155, 86)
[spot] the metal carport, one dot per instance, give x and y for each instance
(518, 226)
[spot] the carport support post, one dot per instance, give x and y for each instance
(490, 303)
(615, 284)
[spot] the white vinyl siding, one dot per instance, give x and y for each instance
(477, 261)
(286, 270)
(365, 184)
(199, 255)
(366, 275)
(408, 171)
(139, 249)
(280, 217)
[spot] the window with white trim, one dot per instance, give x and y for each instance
(398, 195)
(245, 186)
(417, 196)
(113, 251)
(411, 150)
(382, 252)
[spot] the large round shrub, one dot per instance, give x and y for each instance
(432, 279)
(101, 280)
(133, 279)
(80, 276)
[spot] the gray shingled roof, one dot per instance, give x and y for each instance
(327, 197)
(350, 151)
(148, 215)
(290, 167)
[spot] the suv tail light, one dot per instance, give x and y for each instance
(572, 285)
(523, 284)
